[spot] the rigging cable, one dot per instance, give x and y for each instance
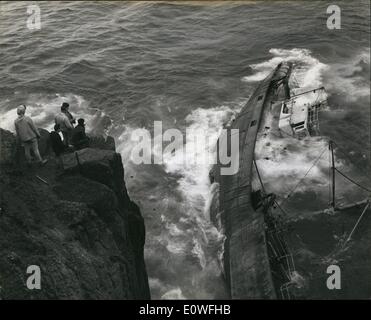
(351, 180)
(264, 191)
(350, 160)
(261, 182)
(279, 207)
(300, 181)
(358, 221)
(329, 177)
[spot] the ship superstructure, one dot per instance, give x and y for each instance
(299, 114)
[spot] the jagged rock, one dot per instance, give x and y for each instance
(80, 227)
(104, 166)
(8, 147)
(99, 142)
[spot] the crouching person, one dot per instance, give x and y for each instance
(79, 140)
(27, 135)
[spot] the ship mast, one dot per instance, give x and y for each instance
(331, 147)
(286, 82)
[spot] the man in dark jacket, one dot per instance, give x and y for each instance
(56, 141)
(78, 137)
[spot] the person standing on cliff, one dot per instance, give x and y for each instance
(66, 110)
(65, 120)
(27, 135)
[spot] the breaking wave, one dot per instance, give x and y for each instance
(43, 109)
(187, 236)
(308, 69)
(194, 181)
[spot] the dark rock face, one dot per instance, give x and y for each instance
(8, 147)
(79, 226)
(98, 142)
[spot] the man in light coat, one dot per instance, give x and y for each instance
(27, 135)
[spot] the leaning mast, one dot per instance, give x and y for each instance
(331, 147)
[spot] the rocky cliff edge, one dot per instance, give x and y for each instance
(76, 222)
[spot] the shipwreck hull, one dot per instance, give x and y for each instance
(246, 262)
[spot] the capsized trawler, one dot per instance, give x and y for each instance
(257, 262)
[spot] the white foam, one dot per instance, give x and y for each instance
(173, 229)
(43, 108)
(194, 183)
(124, 143)
(189, 235)
(281, 166)
(174, 294)
(199, 253)
(178, 248)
